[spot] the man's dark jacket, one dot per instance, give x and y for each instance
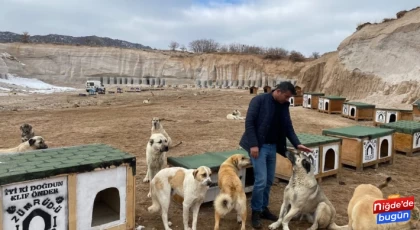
(258, 120)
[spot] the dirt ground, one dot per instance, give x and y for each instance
(121, 120)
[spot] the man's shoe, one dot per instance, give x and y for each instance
(266, 214)
(256, 222)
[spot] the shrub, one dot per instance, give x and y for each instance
(296, 56)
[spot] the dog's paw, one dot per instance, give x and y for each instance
(274, 225)
(146, 180)
(169, 223)
(149, 195)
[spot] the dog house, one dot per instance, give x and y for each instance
(330, 104)
(416, 110)
(385, 115)
(253, 90)
(76, 188)
(310, 100)
(325, 156)
(364, 146)
(213, 160)
(358, 111)
(406, 136)
(296, 100)
(267, 89)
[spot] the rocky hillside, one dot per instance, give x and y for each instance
(377, 64)
(9, 37)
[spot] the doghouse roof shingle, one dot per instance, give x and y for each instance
(358, 132)
(360, 104)
(334, 97)
(315, 94)
(213, 160)
(314, 140)
(16, 167)
(402, 126)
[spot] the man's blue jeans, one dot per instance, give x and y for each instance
(264, 168)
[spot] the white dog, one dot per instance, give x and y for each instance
(34, 143)
(190, 184)
(156, 150)
(146, 101)
(235, 115)
(158, 128)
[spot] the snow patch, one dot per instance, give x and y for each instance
(31, 85)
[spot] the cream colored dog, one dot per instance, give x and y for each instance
(156, 150)
(235, 115)
(305, 197)
(360, 210)
(190, 184)
(34, 143)
(232, 194)
(146, 101)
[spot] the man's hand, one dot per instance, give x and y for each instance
(254, 152)
(304, 148)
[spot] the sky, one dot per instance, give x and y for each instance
(303, 25)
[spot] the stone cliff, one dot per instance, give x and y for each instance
(379, 64)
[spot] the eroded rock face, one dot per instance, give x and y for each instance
(378, 64)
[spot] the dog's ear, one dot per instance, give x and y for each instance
(291, 157)
(195, 173)
(31, 141)
(307, 165)
(235, 162)
(151, 141)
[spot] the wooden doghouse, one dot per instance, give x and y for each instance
(358, 111)
(330, 104)
(267, 89)
(310, 100)
(384, 115)
(416, 110)
(364, 146)
(253, 90)
(325, 156)
(296, 100)
(79, 187)
(213, 160)
(406, 136)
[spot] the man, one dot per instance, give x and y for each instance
(267, 125)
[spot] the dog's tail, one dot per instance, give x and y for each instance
(383, 185)
(155, 207)
(223, 204)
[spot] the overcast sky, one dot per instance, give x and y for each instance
(302, 25)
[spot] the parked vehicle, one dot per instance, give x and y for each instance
(95, 85)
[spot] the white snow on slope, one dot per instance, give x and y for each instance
(30, 85)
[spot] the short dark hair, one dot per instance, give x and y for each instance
(286, 86)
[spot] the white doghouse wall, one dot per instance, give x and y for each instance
(327, 150)
(307, 101)
(89, 186)
(370, 150)
(321, 105)
(383, 116)
(345, 110)
(416, 140)
(352, 111)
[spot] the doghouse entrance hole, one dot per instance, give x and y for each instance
(392, 118)
(326, 106)
(309, 102)
(329, 160)
(384, 148)
(352, 112)
(249, 177)
(106, 207)
(291, 100)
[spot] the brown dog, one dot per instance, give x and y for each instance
(36, 142)
(360, 210)
(232, 194)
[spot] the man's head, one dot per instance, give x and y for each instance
(283, 92)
